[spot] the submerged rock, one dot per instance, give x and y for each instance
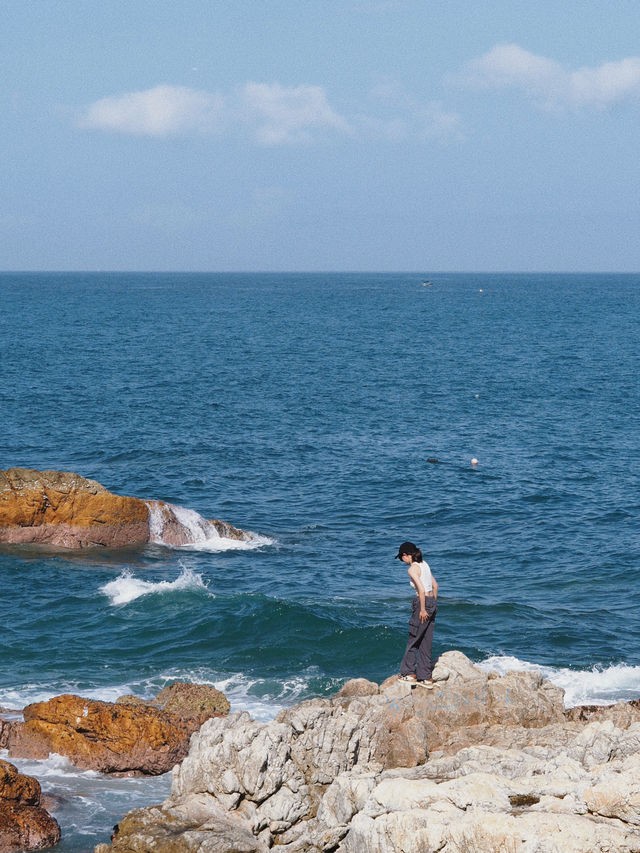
(65, 510)
(24, 823)
(122, 737)
(506, 770)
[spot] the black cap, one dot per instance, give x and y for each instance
(405, 548)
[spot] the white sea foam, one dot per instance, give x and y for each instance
(200, 533)
(262, 698)
(597, 686)
(126, 587)
(86, 803)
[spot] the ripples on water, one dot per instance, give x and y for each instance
(305, 407)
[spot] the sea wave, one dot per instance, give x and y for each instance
(199, 533)
(126, 588)
(85, 803)
(261, 697)
(264, 696)
(600, 685)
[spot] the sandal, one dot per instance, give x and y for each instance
(426, 682)
(411, 679)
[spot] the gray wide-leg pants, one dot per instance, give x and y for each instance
(417, 657)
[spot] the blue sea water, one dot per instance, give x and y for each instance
(306, 408)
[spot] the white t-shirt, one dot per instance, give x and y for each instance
(425, 577)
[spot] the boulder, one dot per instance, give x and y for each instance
(24, 823)
(65, 510)
(192, 700)
(116, 737)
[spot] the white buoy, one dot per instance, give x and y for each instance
(474, 461)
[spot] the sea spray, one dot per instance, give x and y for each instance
(181, 527)
(599, 685)
(126, 588)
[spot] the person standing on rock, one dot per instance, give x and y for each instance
(416, 667)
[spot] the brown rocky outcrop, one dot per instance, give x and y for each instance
(124, 737)
(395, 768)
(65, 510)
(24, 824)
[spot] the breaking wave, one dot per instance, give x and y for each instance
(126, 587)
(179, 527)
(597, 686)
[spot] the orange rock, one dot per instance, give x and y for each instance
(104, 736)
(64, 509)
(24, 824)
(68, 511)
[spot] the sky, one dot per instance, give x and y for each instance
(320, 135)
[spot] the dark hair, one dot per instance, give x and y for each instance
(410, 548)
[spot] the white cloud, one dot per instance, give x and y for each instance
(286, 114)
(277, 114)
(161, 111)
(272, 114)
(549, 83)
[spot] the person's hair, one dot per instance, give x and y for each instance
(416, 553)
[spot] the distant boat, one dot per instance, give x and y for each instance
(427, 284)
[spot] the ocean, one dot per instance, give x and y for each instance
(310, 410)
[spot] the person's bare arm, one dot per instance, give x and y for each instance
(435, 586)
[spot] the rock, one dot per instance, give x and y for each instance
(349, 774)
(24, 823)
(173, 525)
(622, 713)
(68, 511)
(5, 728)
(111, 737)
(192, 700)
(63, 509)
(359, 687)
(184, 699)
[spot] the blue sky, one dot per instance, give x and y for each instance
(325, 135)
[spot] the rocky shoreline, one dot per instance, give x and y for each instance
(480, 763)
(129, 737)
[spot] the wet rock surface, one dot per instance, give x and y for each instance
(24, 823)
(479, 763)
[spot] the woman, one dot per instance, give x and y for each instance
(416, 667)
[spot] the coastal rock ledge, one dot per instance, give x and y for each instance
(480, 763)
(65, 510)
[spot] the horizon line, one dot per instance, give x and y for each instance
(98, 271)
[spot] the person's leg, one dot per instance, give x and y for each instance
(424, 668)
(408, 665)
